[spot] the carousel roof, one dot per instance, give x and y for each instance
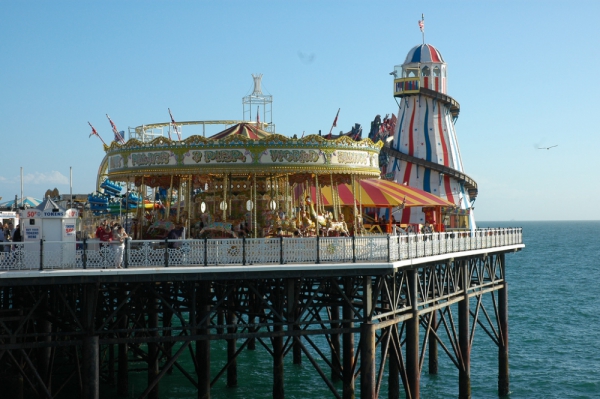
(246, 129)
(381, 194)
(423, 53)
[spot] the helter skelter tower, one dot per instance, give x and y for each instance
(425, 148)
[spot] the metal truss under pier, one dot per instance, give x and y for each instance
(78, 332)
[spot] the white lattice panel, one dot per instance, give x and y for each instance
(394, 249)
(225, 251)
(262, 251)
(371, 248)
(146, 254)
(300, 250)
(335, 249)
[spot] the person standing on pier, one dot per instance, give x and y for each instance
(119, 237)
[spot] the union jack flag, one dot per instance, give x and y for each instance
(118, 136)
(422, 25)
(174, 124)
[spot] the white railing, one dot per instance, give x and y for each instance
(45, 255)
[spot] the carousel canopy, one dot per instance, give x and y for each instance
(378, 193)
(248, 130)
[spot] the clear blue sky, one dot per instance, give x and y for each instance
(524, 72)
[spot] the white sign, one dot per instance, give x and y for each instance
(32, 233)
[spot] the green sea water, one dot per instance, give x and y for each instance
(554, 333)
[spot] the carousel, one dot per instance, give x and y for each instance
(244, 181)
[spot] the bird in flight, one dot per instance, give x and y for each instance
(547, 148)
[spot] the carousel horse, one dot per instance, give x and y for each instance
(338, 227)
(307, 225)
(320, 219)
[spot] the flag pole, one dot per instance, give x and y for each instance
(95, 133)
(334, 124)
(21, 187)
(422, 26)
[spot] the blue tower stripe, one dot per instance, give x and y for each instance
(417, 54)
(427, 174)
(397, 144)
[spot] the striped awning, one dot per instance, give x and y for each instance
(376, 193)
(249, 130)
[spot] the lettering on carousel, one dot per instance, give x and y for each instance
(301, 156)
(226, 156)
(356, 158)
(151, 158)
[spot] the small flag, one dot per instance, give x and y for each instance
(174, 125)
(257, 115)
(94, 132)
(422, 23)
(336, 116)
(115, 131)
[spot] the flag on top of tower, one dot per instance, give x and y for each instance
(422, 23)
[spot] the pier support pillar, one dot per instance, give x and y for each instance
(292, 313)
(464, 372)
(122, 357)
(202, 346)
(394, 369)
(412, 338)
(348, 342)
(167, 323)
(367, 361)
(232, 376)
(433, 345)
(335, 345)
(90, 346)
(153, 354)
(91, 367)
(503, 369)
(278, 386)
(252, 319)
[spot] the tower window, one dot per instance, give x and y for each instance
(436, 71)
(411, 72)
(426, 71)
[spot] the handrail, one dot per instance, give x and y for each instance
(250, 251)
(470, 184)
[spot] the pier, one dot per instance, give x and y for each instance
(69, 318)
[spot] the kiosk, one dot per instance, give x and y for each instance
(55, 226)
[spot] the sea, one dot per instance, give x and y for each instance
(554, 332)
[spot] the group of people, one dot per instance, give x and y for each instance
(8, 233)
(114, 235)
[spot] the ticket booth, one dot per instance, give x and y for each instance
(54, 225)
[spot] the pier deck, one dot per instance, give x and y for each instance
(406, 295)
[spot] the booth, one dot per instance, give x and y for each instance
(54, 225)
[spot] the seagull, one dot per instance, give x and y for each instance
(547, 148)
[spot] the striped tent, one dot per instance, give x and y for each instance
(246, 129)
(376, 193)
(26, 201)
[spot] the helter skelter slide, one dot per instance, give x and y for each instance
(424, 151)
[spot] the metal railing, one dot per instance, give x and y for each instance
(87, 254)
